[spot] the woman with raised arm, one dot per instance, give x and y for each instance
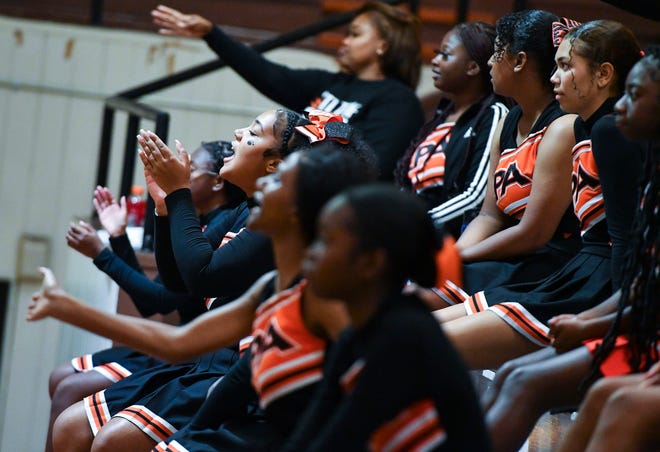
(447, 164)
(379, 64)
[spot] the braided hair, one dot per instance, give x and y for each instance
(283, 127)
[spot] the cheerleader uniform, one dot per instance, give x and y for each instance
(151, 297)
(449, 168)
(161, 400)
(513, 185)
(395, 384)
(284, 367)
(586, 280)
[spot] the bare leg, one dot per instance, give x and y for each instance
(70, 390)
(450, 313)
(531, 390)
(485, 341)
(72, 432)
(503, 372)
(578, 434)
(617, 429)
(430, 298)
(121, 435)
(57, 375)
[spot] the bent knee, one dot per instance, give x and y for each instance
(77, 387)
(71, 430)
(56, 377)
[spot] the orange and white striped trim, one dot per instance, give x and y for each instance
(154, 426)
(521, 320)
(83, 363)
(113, 371)
(208, 302)
(173, 446)
(244, 344)
(348, 380)
(415, 429)
(476, 303)
(450, 293)
(97, 411)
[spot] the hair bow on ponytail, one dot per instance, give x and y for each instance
(559, 29)
(325, 126)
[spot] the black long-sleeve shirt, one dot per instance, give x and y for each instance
(150, 296)
(399, 364)
(620, 168)
(386, 111)
(186, 260)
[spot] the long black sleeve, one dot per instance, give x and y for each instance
(293, 88)
(165, 261)
(149, 296)
(122, 247)
(470, 188)
(225, 272)
(620, 168)
(387, 112)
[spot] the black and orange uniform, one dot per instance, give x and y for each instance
(585, 280)
(283, 368)
(159, 401)
(424, 402)
(151, 296)
(187, 261)
(513, 185)
(448, 169)
(387, 112)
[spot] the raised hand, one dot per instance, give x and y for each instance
(169, 170)
(175, 23)
(82, 238)
(44, 302)
(111, 215)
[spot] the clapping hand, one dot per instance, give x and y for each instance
(169, 170)
(111, 215)
(82, 238)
